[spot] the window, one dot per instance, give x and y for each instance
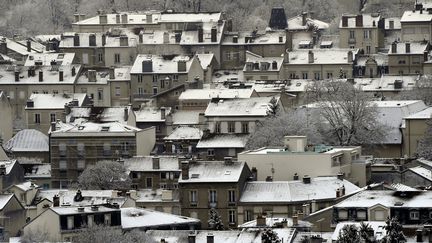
(317, 76)
(245, 127)
(155, 78)
(231, 196)
(162, 84)
(367, 34)
(100, 94)
(415, 215)
(231, 127)
(107, 219)
(175, 77)
(416, 60)
(140, 78)
(210, 152)
(193, 197)
(107, 149)
(212, 198)
(342, 214)
(21, 95)
(217, 127)
(37, 119)
(117, 58)
(329, 75)
(155, 90)
(100, 57)
(228, 55)
(248, 215)
(368, 49)
(44, 91)
(305, 75)
(70, 222)
(117, 91)
(81, 149)
(140, 90)
(352, 34)
(62, 149)
(402, 61)
(90, 220)
(63, 165)
(134, 175)
(149, 182)
(231, 216)
(81, 164)
(361, 214)
(35, 92)
(55, 91)
(85, 58)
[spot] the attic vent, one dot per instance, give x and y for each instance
(195, 176)
(81, 128)
(399, 204)
(105, 129)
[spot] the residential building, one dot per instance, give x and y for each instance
(75, 146)
(209, 64)
(371, 66)
(263, 68)
(13, 216)
(161, 200)
(25, 192)
(94, 83)
(19, 50)
(362, 31)
(215, 184)
(88, 47)
(298, 159)
(121, 50)
(408, 58)
(6, 122)
(416, 125)
(124, 115)
(11, 173)
(287, 198)
(119, 82)
(43, 109)
(416, 24)
(183, 140)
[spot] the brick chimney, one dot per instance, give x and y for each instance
(304, 18)
(126, 113)
(200, 35)
(261, 221)
(213, 34)
(28, 46)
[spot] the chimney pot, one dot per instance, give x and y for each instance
(306, 179)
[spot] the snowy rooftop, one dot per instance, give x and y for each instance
(186, 117)
(416, 48)
(68, 40)
(261, 38)
(45, 59)
(208, 94)
(28, 140)
(90, 197)
(386, 83)
(39, 171)
(185, 133)
(205, 59)
(74, 210)
(101, 114)
(26, 186)
(252, 58)
(145, 163)
(416, 16)
(161, 64)
(255, 106)
(145, 218)
(101, 129)
(54, 101)
(4, 199)
(9, 164)
(296, 23)
(369, 198)
(377, 226)
(151, 114)
(424, 114)
(214, 171)
(423, 172)
(222, 76)
(50, 75)
(20, 47)
(321, 56)
(150, 195)
(380, 59)
(223, 141)
(274, 223)
(190, 37)
(368, 21)
(320, 188)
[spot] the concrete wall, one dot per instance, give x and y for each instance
(145, 141)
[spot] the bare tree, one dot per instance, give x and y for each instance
(350, 116)
(421, 91)
(424, 147)
(104, 175)
(34, 236)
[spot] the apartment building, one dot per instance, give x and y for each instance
(362, 31)
(415, 128)
(75, 146)
(119, 80)
(6, 122)
(416, 24)
(408, 58)
(212, 185)
(87, 47)
(263, 68)
(10, 209)
(94, 83)
(19, 50)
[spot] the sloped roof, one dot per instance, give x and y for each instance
(161, 64)
(213, 171)
(145, 218)
(144, 163)
(186, 117)
(296, 23)
(4, 199)
(208, 94)
(28, 140)
(223, 141)
(185, 133)
(54, 101)
(255, 106)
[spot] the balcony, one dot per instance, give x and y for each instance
(232, 204)
(212, 204)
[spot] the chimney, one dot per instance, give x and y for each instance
(103, 39)
(61, 75)
(254, 172)
(124, 40)
(56, 201)
(306, 179)
(185, 170)
(192, 237)
(124, 18)
(126, 113)
(425, 56)
(200, 35)
(306, 209)
(140, 37)
(407, 47)
(210, 238)
(112, 73)
(28, 46)
(342, 190)
(181, 66)
(269, 179)
(165, 37)
(274, 65)
(286, 56)
(117, 18)
(391, 24)
(359, 20)
(295, 177)
(91, 75)
(163, 113)
(295, 220)
(338, 194)
(17, 73)
(418, 6)
(3, 47)
(314, 206)
(178, 37)
(155, 163)
(30, 103)
(76, 40)
(92, 40)
(228, 160)
(373, 23)
(304, 18)
(103, 19)
(394, 47)
(149, 18)
(214, 34)
(350, 56)
(40, 76)
(310, 57)
(340, 176)
(419, 235)
(261, 221)
(147, 66)
(73, 71)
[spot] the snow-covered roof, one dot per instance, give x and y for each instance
(400, 187)
(320, 188)
(213, 171)
(423, 172)
(380, 59)
(416, 16)
(39, 171)
(90, 197)
(377, 226)
(20, 47)
(260, 38)
(54, 101)
(50, 75)
(368, 21)
(28, 140)
(416, 48)
(422, 115)
(274, 223)
(223, 141)
(121, 73)
(265, 64)
(101, 114)
(150, 195)
(185, 117)
(68, 40)
(185, 133)
(145, 163)
(254, 106)
(369, 198)
(386, 83)
(144, 218)
(151, 114)
(26, 186)
(161, 64)
(45, 59)
(208, 94)
(4, 199)
(222, 76)
(190, 37)
(90, 128)
(74, 210)
(296, 23)
(205, 59)
(321, 56)
(9, 164)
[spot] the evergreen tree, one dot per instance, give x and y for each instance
(269, 236)
(348, 234)
(366, 233)
(394, 231)
(215, 220)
